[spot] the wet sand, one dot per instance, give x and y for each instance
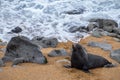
(54, 70)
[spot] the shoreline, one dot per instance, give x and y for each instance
(55, 71)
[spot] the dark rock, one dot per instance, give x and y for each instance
(115, 55)
(72, 12)
(61, 52)
(3, 43)
(74, 29)
(116, 30)
(106, 24)
(118, 36)
(50, 42)
(16, 30)
(104, 46)
(112, 34)
(78, 35)
(39, 38)
(3, 49)
(43, 42)
(108, 28)
(20, 50)
(91, 26)
(96, 34)
(104, 33)
(83, 29)
(1, 63)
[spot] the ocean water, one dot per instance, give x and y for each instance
(47, 17)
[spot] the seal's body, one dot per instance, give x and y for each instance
(81, 60)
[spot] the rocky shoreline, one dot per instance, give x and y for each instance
(54, 68)
(104, 41)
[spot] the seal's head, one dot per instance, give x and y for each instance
(78, 49)
(79, 58)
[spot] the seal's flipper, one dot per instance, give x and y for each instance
(85, 69)
(110, 65)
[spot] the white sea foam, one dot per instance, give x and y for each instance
(47, 18)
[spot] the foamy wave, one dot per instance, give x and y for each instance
(47, 17)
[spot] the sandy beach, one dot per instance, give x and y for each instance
(54, 70)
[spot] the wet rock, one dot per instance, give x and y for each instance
(37, 38)
(74, 29)
(39, 6)
(106, 24)
(104, 33)
(43, 42)
(73, 12)
(50, 42)
(21, 49)
(115, 55)
(108, 28)
(91, 26)
(116, 39)
(0, 40)
(55, 53)
(3, 43)
(116, 30)
(118, 36)
(83, 29)
(104, 46)
(96, 34)
(78, 35)
(1, 63)
(112, 34)
(3, 50)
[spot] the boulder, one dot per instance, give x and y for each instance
(3, 43)
(91, 26)
(116, 30)
(1, 63)
(115, 55)
(74, 29)
(55, 53)
(112, 34)
(73, 12)
(43, 42)
(118, 36)
(104, 46)
(96, 34)
(105, 24)
(21, 49)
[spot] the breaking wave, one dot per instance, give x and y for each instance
(47, 17)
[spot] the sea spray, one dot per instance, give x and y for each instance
(47, 17)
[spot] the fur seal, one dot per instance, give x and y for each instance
(83, 61)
